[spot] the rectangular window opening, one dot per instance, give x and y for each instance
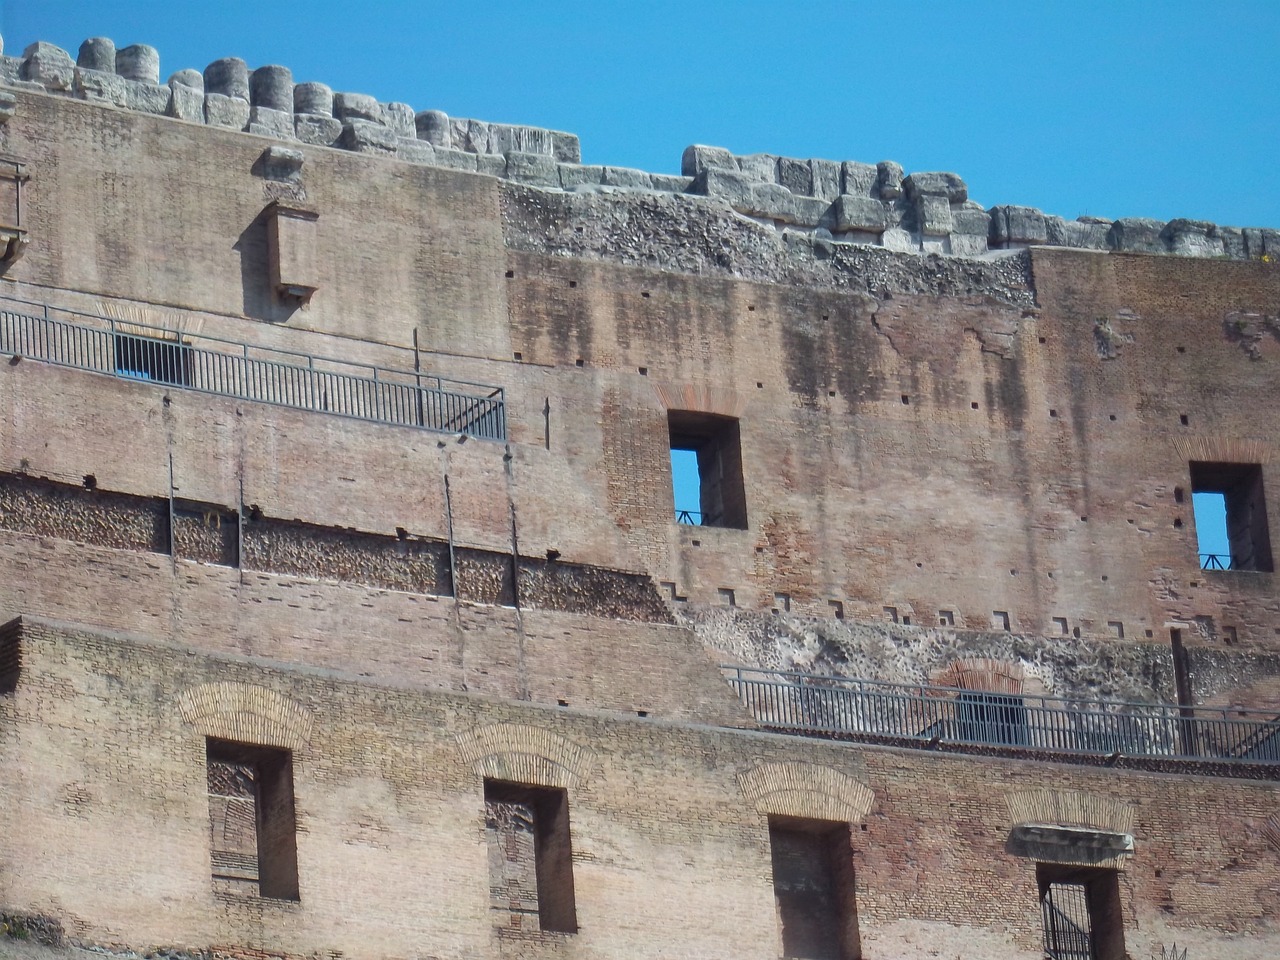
(813, 886)
(706, 470)
(530, 856)
(252, 824)
(999, 718)
(1230, 510)
(1081, 913)
(150, 358)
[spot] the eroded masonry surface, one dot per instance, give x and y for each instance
(346, 583)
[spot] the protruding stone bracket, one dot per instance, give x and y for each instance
(1053, 843)
(291, 251)
(280, 163)
(8, 106)
(14, 174)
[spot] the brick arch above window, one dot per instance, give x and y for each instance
(246, 713)
(806, 790)
(983, 673)
(523, 753)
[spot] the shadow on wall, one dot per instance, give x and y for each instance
(261, 302)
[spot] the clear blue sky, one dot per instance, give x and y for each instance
(1118, 108)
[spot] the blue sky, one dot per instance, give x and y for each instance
(1119, 108)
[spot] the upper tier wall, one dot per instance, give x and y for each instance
(845, 201)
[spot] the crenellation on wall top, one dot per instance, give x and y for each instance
(844, 201)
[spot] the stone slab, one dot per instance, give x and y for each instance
(223, 111)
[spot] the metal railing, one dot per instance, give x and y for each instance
(810, 703)
(231, 368)
(690, 518)
(1216, 561)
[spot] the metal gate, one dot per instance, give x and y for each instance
(1067, 927)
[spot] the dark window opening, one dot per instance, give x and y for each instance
(1081, 913)
(147, 358)
(991, 718)
(252, 825)
(10, 656)
(530, 856)
(1231, 516)
(813, 886)
(716, 448)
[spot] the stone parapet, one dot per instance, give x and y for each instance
(836, 201)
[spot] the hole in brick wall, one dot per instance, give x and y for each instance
(1179, 495)
(1116, 628)
(1230, 509)
(782, 603)
(919, 565)
(645, 295)
(1104, 578)
(1112, 417)
(1182, 349)
(10, 656)
(530, 856)
(1013, 573)
(1081, 912)
(831, 393)
(973, 405)
(751, 308)
(670, 587)
(946, 618)
(813, 887)
(906, 620)
(518, 355)
(643, 371)
(1000, 619)
(727, 597)
(1148, 633)
(562, 703)
(1182, 419)
(1177, 523)
(642, 713)
(837, 608)
(906, 399)
(1060, 626)
(1229, 635)
(251, 819)
(891, 614)
(709, 447)
(1075, 632)
(696, 543)
(510, 274)
(1129, 521)
(573, 283)
(1041, 339)
(90, 482)
(1084, 519)
(578, 362)
(825, 317)
(759, 385)
(1053, 414)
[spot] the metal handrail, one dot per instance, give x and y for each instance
(820, 704)
(686, 517)
(1216, 561)
(138, 351)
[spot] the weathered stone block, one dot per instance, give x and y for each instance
(504, 137)
(272, 87)
(933, 215)
(1076, 233)
(399, 117)
(139, 62)
(1017, 225)
(1232, 242)
(478, 137)
(970, 219)
(1270, 243)
(186, 103)
(192, 79)
(858, 179)
(313, 98)
(266, 122)
(492, 164)
(826, 179)
(97, 53)
(947, 185)
(357, 106)
(99, 87)
(888, 179)
(458, 159)
(796, 176)
(367, 136)
(566, 147)
(729, 185)
(811, 211)
(968, 244)
(222, 111)
(625, 177)
(762, 167)
(1193, 238)
(228, 77)
(670, 182)
(49, 66)
(579, 175)
(1137, 234)
(857, 213)
(321, 131)
(8, 106)
(770, 200)
(433, 127)
(281, 163)
(11, 71)
(697, 159)
(147, 97)
(532, 168)
(415, 151)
